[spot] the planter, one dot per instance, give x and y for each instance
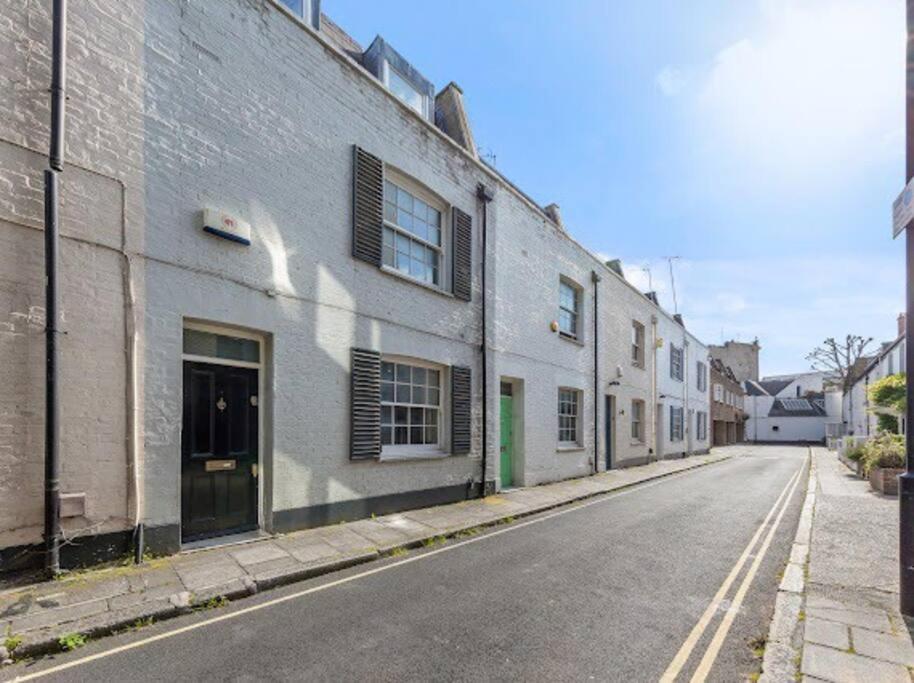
(885, 480)
(855, 465)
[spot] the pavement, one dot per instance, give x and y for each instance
(617, 586)
(837, 615)
(99, 602)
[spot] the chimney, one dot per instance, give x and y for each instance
(902, 323)
(451, 117)
(616, 266)
(555, 214)
(678, 318)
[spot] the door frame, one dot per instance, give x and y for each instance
(228, 331)
(501, 455)
(609, 428)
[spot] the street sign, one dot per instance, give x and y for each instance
(903, 209)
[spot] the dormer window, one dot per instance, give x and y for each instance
(403, 89)
(400, 77)
(307, 10)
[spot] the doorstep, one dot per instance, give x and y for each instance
(101, 601)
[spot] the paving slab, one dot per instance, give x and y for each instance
(844, 667)
(257, 553)
(874, 621)
(203, 575)
(381, 535)
(345, 539)
(827, 633)
(889, 647)
(310, 548)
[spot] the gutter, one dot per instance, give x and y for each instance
(484, 195)
(51, 246)
(595, 278)
(652, 450)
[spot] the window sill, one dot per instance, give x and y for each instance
(572, 340)
(638, 365)
(636, 442)
(570, 448)
(407, 278)
(417, 454)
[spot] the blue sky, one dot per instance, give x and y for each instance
(760, 141)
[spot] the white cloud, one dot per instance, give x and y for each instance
(814, 94)
(791, 306)
(671, 81)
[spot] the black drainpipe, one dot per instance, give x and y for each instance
(51, 230)
(595, 278)
(485, 195)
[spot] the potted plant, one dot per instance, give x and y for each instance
(883, 461)
(853, 458)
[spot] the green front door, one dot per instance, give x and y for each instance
(507, 441)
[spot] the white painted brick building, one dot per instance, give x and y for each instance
(281, 340)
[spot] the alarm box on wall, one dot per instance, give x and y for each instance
(221, 224)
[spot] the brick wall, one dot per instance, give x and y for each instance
(98, 218)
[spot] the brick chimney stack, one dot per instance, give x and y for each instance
(902, 320)
(555, 215)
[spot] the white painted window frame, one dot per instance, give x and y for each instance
(677, 415)
(576, 313)
(678, 353)
(578, 404)
(638, 420)
(420, 451)
(638, 336)
(386, 68)
(412, 187)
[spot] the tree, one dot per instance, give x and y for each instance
(839, 360)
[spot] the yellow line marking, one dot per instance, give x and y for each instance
(610, 495)
(685, 651)
(704, 667)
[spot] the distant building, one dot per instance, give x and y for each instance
(791, 408)
(727, 405)
(740, 357)
(857, 418)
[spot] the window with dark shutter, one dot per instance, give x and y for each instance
(460, 410)
(462, 228)
(366, 404)
(367, 206)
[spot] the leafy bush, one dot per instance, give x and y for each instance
(886, 423)
(886, 450)
(888, 392)
(855, 452)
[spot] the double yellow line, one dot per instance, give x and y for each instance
(717, 641)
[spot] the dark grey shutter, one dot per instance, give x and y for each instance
(367, 206)
(366, 404)
(462, 231)
(460, 410)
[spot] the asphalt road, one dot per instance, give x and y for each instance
(606, 591)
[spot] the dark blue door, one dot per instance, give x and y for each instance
(609, 417)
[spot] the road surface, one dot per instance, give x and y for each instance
(630, 586)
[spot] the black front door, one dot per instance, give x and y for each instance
(218, 451)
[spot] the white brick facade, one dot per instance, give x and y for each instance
(167, 115)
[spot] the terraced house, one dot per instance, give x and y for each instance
(292, 293)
